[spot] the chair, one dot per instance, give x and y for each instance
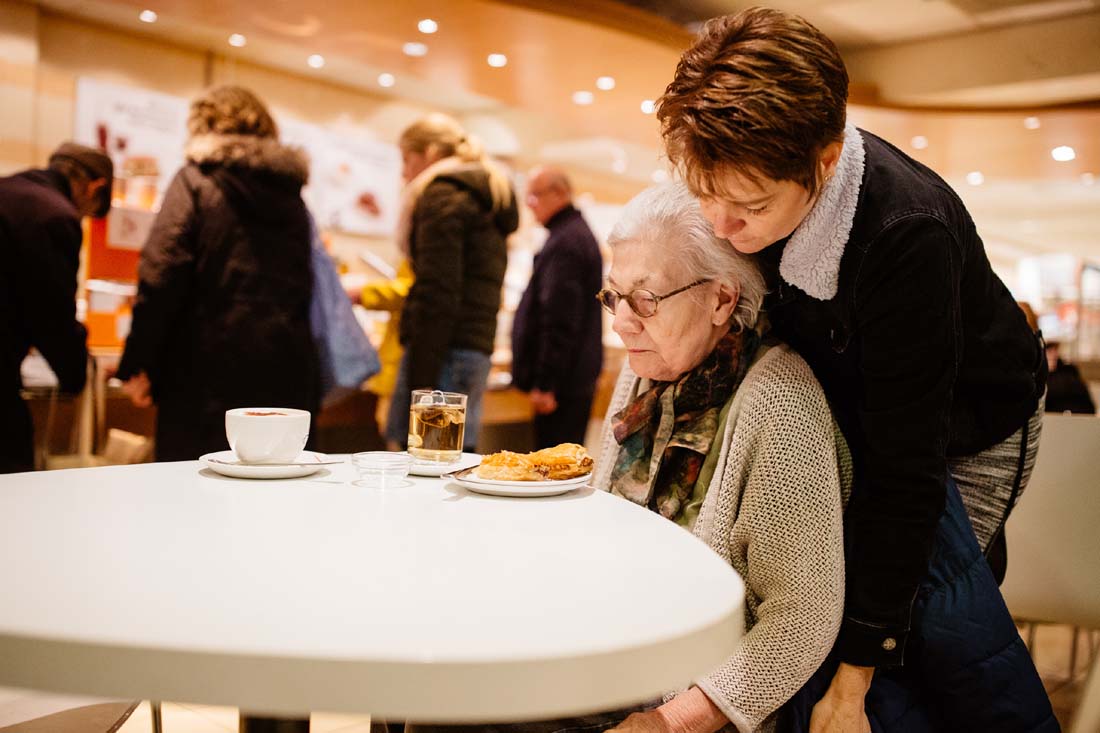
(1054, 542)
(24, 711)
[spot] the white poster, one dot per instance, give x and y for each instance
(355, 180)
(142, 130)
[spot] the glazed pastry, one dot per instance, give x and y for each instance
(564, 461)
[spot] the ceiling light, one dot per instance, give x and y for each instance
(413, 48)
(1032, 123)
(316, 61)
(618, 165)
(237, 40)
(919, 142)
(147, 16)
(497, 60)
(427, 26)
(386, 80)
(583, 98)
(1088, 179)
(659, 176)
(1063, 153)
(975, 178)
(606, 83)
(648, 106)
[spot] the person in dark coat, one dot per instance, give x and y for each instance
(40, 238)
(457, 211)
(557, 334)
(221, 318)
(1066, 390)
(880, 281)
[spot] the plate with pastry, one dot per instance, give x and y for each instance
(547, 472)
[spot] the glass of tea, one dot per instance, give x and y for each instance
(437, 424)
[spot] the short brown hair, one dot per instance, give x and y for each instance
(230, 110)
(760, 93)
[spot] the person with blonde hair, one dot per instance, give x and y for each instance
(456, 213)
(222, 312)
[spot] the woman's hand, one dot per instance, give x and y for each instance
(841, 709)
(689, 712)
(648, 722)
(139, 390)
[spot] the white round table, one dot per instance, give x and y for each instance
(169, 582)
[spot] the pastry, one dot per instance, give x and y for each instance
(564, 461)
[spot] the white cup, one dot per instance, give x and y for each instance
(267, 434)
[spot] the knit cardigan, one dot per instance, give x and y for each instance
(773, 511)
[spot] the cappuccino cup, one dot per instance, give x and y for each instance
(267, 434)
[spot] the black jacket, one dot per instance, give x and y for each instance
(923, 354)
(1067, 392)
(222, 313)
(557, 334)
(458, 252)
(40, 240)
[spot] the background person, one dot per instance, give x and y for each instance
(221, 318)
(882, 284)
(457, 210)
(1066, 390)
(40, 239)
(557, 333)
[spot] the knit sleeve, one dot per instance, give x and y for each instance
(787, 535)
(609, 449)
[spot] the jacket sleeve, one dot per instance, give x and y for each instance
(559, 313)
(907, 310)
(789, 526)
(49, 283)
(388, 295)
(435, 299)
(165, 279)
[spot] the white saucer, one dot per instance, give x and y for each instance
(469, 480)
(235, 469)
(431, 468)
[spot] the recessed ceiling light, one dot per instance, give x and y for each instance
(975, 178)
(648, 106)
(1088, 179)
(659, 176)
(427, 26)
(583, 98)
(497, 60)
(919, 142)
(1032, 123)
(316, 61)
(1063, 153)
(147, 16)
(414, 48)
(237, 40)
(606, 83)
(386, 80)
(618, 165)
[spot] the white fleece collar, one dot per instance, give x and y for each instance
(811, 260)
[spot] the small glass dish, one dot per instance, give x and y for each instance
(381, 469)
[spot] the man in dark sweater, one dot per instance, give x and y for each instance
(40, 237)
(557, 335)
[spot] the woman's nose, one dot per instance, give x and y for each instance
(727, 225)
(626, 322)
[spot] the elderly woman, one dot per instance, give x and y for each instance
(730, 436)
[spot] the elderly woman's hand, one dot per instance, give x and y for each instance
(650, 721)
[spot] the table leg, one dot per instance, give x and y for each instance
(253, 724)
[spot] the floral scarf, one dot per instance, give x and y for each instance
(665, 433)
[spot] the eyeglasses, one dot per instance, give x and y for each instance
(642, 302)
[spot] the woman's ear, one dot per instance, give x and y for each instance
(829, 158)
(726, 304)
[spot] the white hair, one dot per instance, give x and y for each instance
(668, 218)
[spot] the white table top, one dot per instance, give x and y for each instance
(167, 581)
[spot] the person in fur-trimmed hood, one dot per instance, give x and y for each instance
(221, 318)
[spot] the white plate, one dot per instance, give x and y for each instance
(469, 480)
(235, 469)
(430, 468)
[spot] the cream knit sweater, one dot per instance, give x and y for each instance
(773, 511)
